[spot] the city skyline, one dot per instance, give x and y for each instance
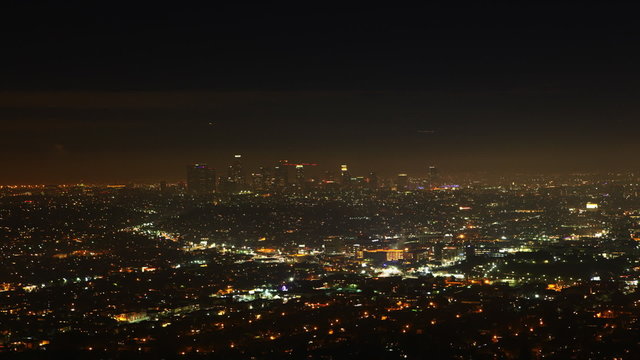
(135, 95)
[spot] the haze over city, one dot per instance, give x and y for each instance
(102, 94)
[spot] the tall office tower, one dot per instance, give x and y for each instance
(345, 176)
(236, 174)
(432, 176)
(300, 177)
(261, 179)
(201, 180)
(281, 176)
(268, 177)
(402, 181)
(373, 181)
(257, 181)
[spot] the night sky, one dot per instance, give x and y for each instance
(132, 92)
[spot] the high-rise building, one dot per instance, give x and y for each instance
(300, 176)
(373, 180)
(201, 180)
(432, 176)
(402, 181)
(269, 178)
(345, 176)
(236, 173)
(235, 179)
(259, 179)
(281, 175)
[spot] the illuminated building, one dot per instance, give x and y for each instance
(258, 180)
(432, 176)
(236, 174)
(358, 182)
(383, 254)
(451, 253)
(300, 177)
(402, 181)
(132, 317)
(201, 180)
(264, 179)
(281, 175)
(345, 176)
(235, 180)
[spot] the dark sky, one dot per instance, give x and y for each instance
(114, 92)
